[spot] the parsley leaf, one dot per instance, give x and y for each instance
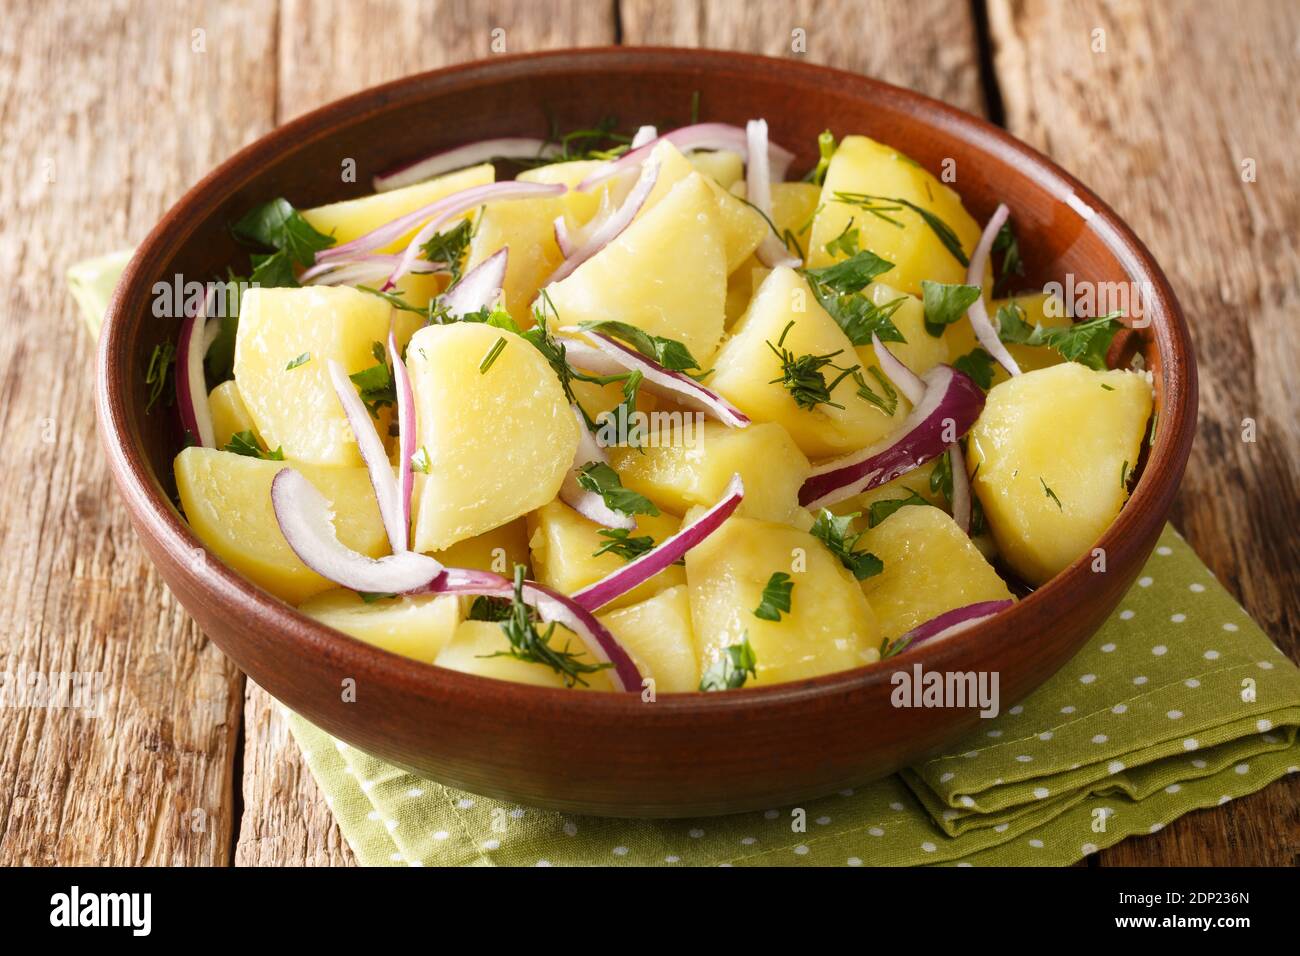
(1083, 342)
(730, 671)
(669, 353)
(883, 508)
(978, 364)
(487, 608)
(620, 541)
(246, 443)
(302, 359)
(376, 382)
(839, 288)
(448, 248)
(847, 242)
(946, 303)
(837, 534)
(603, 480)
(279, 226)
(1007, 243)
(776, 597)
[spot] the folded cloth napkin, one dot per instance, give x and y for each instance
(1179, 702)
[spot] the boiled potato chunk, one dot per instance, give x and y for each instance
(227, 501)
(742, 227)
(297, 408)
(1068, 430)
(579, 207)
(793, 205)
(473, 646)
(353, 218)
(666, 274)
(564, 544)
(922, 351)
(657, 633)
(749, 373)
(1040, 308)
(829, 627)
(498, 550)
(915, 481)
(498, 442)
(861, 165)
(723, 166)
(228, 413)
(415, 626)
(679, 477)
(931, 567)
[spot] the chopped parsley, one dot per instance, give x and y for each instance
(978, 364)
(1006, 243)
(448, 248)
(527, 644)
(847, 242)
(1050, 493)
(155, 376)
(486, 608)
(836, 532)
(803, 377)
(420, 460)
(302, 359)
(890, 648)
(669, 353)
(246, 443)
(1083, 342)
(946, 303)
(620, 541)
(839, 290)
(882, 509)
(776, 597)
(376, 382)
(598, 477)
(736, 665)
(277, 225)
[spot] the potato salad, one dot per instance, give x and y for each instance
(648, 413)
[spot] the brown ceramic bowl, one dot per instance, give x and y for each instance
(610, 753)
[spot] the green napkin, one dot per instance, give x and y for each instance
(1179, 702)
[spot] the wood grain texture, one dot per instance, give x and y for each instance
(1160, 124)
(927, 45)
(107, 117)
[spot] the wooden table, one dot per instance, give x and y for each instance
(1183, 118)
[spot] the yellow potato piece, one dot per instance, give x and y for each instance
(863, 166)
(657, 633)
(498, 442)
(681, 476)
(922, 351)
(227, 501)
(498, 550)
(414, 626)
(228, 413)
(830, 626)
(475, 647)
(665, 274)
(297, 408)
(723, 166)
(749, 373)
(353, 218)
(564, 543)
(917, 480)
(1056, 429)
(793, 205)
(931, 567)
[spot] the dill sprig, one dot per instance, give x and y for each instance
(803, 377)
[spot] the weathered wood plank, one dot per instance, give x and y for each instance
(107, 115)
(1166, 111)
(328, 51)
(928, 45)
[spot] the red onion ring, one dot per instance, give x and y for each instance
(951, 401)
(611, 228)
(978, 313)
(362, 269)
(306, 522)
(480, 288)
(644, 134)
(407, 433)
(470, 154)
(372, 453)
(687, 138)
(608, 356)
(552, 606)
(587, 503)
(642, 569)
(758, 190)
(961, 504)
(953, 622)
(191, 384)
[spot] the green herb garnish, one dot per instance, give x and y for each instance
(1083, 342)
(730, 671)
(888, 402)
(302, 359)
(946, 303)
(847, 242)
(669, 353)
(370, 597)
(882, 509)
(497, 348)
(776, 597)
(1051, 494)
(839, 290)
(978, 364)
(882, 206)
(836, 532)
(803, 377)
(825, 149)
(889, 649)
(277, 225)
(160, 365)
(420, 460)
(492, 609)
(603, 480)
(1007, 243)
(621, 542)
(246, 443)
(448, 248)
(376, 382)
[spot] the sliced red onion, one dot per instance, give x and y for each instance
(961, 506)
(611, 228)
(953, 622)
(441, 209)
(480, 288)
(191, 384)
(978, 313)
(406, 433)
(362, 269)
(947, 410)
(907, 381)
(562, 238)
(466, 200)
(645, 134)
(642, 569)
(588, 503)
(611, 357)
(307, 523)
(552, 606)
(686, 139)
(758, 190)
(471, 154)
(372, 453)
